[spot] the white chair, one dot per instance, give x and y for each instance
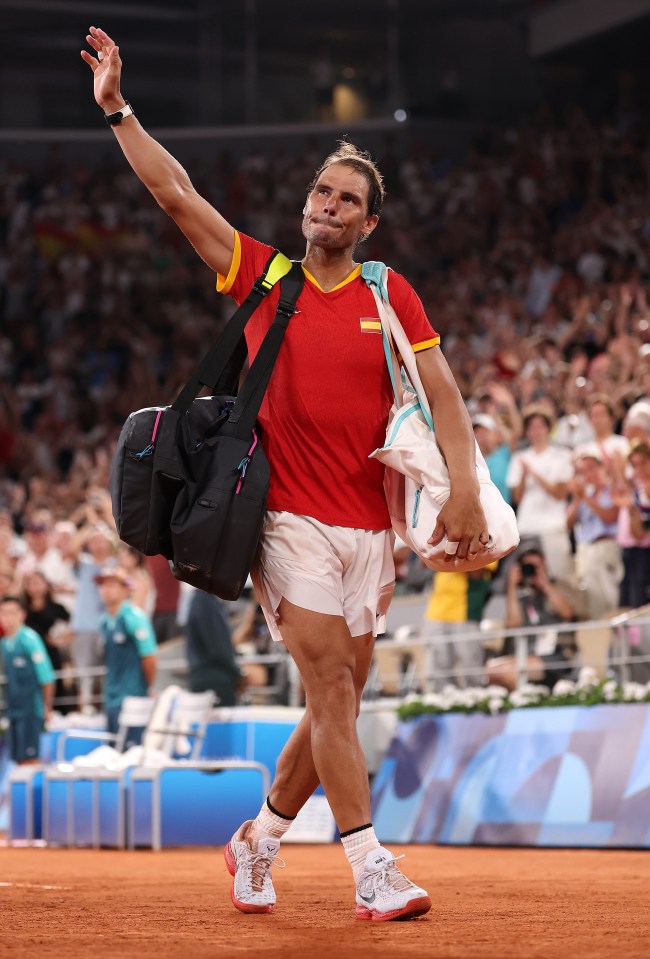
(187, 718)
(192, 788)
(135, 713)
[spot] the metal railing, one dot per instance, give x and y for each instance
(625, 652)
(169, 671)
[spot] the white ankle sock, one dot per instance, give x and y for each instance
(357, 846)
(268, 823)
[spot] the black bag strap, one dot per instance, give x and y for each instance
(218, 368)
(247, 406)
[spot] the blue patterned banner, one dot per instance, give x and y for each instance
(559, 776)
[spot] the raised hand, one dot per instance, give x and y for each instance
(577, 486)
(107, 69)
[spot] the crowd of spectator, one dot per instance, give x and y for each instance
(532, 258)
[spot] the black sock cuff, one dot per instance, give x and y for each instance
(351, 832)
(276, 813)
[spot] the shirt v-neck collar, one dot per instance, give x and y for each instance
(352, 276)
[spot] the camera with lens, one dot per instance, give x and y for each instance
(528, 573)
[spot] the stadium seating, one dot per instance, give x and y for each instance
(84, 804)
(26, 782)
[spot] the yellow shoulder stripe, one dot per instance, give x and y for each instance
(279, 267)
(224, 284)
(426, 344)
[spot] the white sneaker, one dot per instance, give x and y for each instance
(384, 892)
(252, 888)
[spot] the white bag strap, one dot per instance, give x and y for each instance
(396, 340)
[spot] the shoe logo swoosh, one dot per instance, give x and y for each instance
(368, 898)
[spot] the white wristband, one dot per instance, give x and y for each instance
(114, 118)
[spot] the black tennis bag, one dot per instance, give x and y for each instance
(190, 481)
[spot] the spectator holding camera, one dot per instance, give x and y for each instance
(534, 599)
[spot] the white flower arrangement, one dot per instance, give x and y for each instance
(587, 690)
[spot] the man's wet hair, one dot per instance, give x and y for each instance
(361, 161)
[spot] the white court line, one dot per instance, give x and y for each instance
(31, 885)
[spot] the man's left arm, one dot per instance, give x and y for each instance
(461, 519)
(139, 625)
(149, 665)
(43, 669)
(47, 691)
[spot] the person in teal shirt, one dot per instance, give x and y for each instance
(129, 644)
(497, 453)
(30, 681)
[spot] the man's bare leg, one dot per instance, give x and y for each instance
(325, 747)
(252, 850)
(296, 777)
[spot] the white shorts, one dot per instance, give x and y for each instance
(327, 569)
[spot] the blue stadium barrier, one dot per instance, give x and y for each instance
(25, 804)
(576, 776)
(193, 804)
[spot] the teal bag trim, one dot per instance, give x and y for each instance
(398, 422)
(416, 508)
(372, 272)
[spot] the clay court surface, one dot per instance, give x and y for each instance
(488, 904)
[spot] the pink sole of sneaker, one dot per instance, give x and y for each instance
(242, 906)
(412, 909)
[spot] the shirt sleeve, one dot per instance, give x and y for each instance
(410, 311)
(249, 258)
(139, 627)
(37, 652)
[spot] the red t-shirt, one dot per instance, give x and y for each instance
(327, 404)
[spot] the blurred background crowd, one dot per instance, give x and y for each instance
(532, 257)
(530, 249)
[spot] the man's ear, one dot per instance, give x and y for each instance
(371, 223)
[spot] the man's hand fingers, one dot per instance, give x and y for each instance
(477, 546)
(92, 62)
(103, 36)
(438, 533)
(463, 548)
(93, 42)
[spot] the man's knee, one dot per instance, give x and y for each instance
(332, 693)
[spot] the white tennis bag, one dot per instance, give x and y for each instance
(417, 483)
